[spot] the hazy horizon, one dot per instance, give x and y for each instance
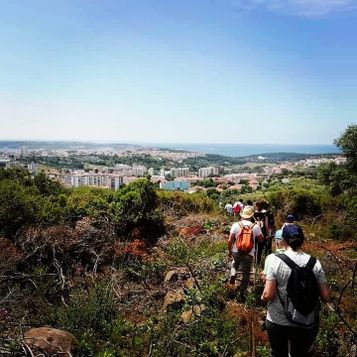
(158, 142)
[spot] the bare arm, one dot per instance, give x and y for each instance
(231, 240)
(269, 292)
(325, 293)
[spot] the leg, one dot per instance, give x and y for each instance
(278, 338)
(246, 261)
(301, 340)
(268, 244)
(260, 247)
(234, 267)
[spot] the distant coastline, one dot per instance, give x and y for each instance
(243, 150)
(231, 150)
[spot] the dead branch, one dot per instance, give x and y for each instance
(59, 269)
(338, 309)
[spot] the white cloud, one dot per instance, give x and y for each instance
(306, 8)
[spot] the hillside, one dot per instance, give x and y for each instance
(141, 272)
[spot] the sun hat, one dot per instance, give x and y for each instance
(278, 235)
(248, 212)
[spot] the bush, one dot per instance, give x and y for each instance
(89, 316)
(181, 203)
(19, 207)
(135, 206)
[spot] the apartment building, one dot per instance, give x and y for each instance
(179, 172)
(208, 171)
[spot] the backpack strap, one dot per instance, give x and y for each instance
(311, 263)
(289, 262)
(292, 265)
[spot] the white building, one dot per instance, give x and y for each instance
(151, 171)
(112, 181)
(139, 170)
(179, 172)
(208, 171)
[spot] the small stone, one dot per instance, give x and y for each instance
(186, 316)
(171, 276)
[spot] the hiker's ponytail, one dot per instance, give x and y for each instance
(295, 242)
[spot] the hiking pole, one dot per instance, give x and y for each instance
(255, 268)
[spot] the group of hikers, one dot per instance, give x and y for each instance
(294, 281)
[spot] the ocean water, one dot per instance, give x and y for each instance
(237, 150)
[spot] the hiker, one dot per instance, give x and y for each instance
(229, 209)
(280, 248)
(303, 283)
(261, 218)
(236, 208)
(289, 220)
(243, 254)
(249, 203)
(270, 231)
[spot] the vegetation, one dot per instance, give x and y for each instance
(142, 272)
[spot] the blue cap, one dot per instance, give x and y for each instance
(278, 234)
(292, 230)
(290, 218)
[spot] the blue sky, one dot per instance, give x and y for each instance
(218, 71)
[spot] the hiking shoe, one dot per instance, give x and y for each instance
(232, 280)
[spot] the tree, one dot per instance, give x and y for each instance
(19, 207)
(342, 178)
(135, 206)
(347, 142)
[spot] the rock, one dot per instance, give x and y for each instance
(173, 297)
(186, 316)
(198, 309)
(172, 275)
(50, 342)
(176, 274)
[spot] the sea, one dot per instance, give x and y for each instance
(240, 150)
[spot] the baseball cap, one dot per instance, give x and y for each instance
(278, 234)
(291, 231)
(290, 218)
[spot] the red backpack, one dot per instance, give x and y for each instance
(245, 240)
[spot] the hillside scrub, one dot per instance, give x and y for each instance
(103, 266)
(181, 203)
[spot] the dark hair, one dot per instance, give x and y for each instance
(295, 242)
(294, 236)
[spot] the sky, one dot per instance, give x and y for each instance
(182, 71)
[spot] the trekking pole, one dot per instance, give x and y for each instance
(255, 268)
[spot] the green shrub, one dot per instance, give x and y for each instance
(181, 203)
(19, 207)
(135, 206)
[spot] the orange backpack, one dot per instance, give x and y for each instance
(244, 240)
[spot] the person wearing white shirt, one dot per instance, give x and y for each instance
(240, 258)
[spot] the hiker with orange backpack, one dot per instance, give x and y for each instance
(241, 247)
